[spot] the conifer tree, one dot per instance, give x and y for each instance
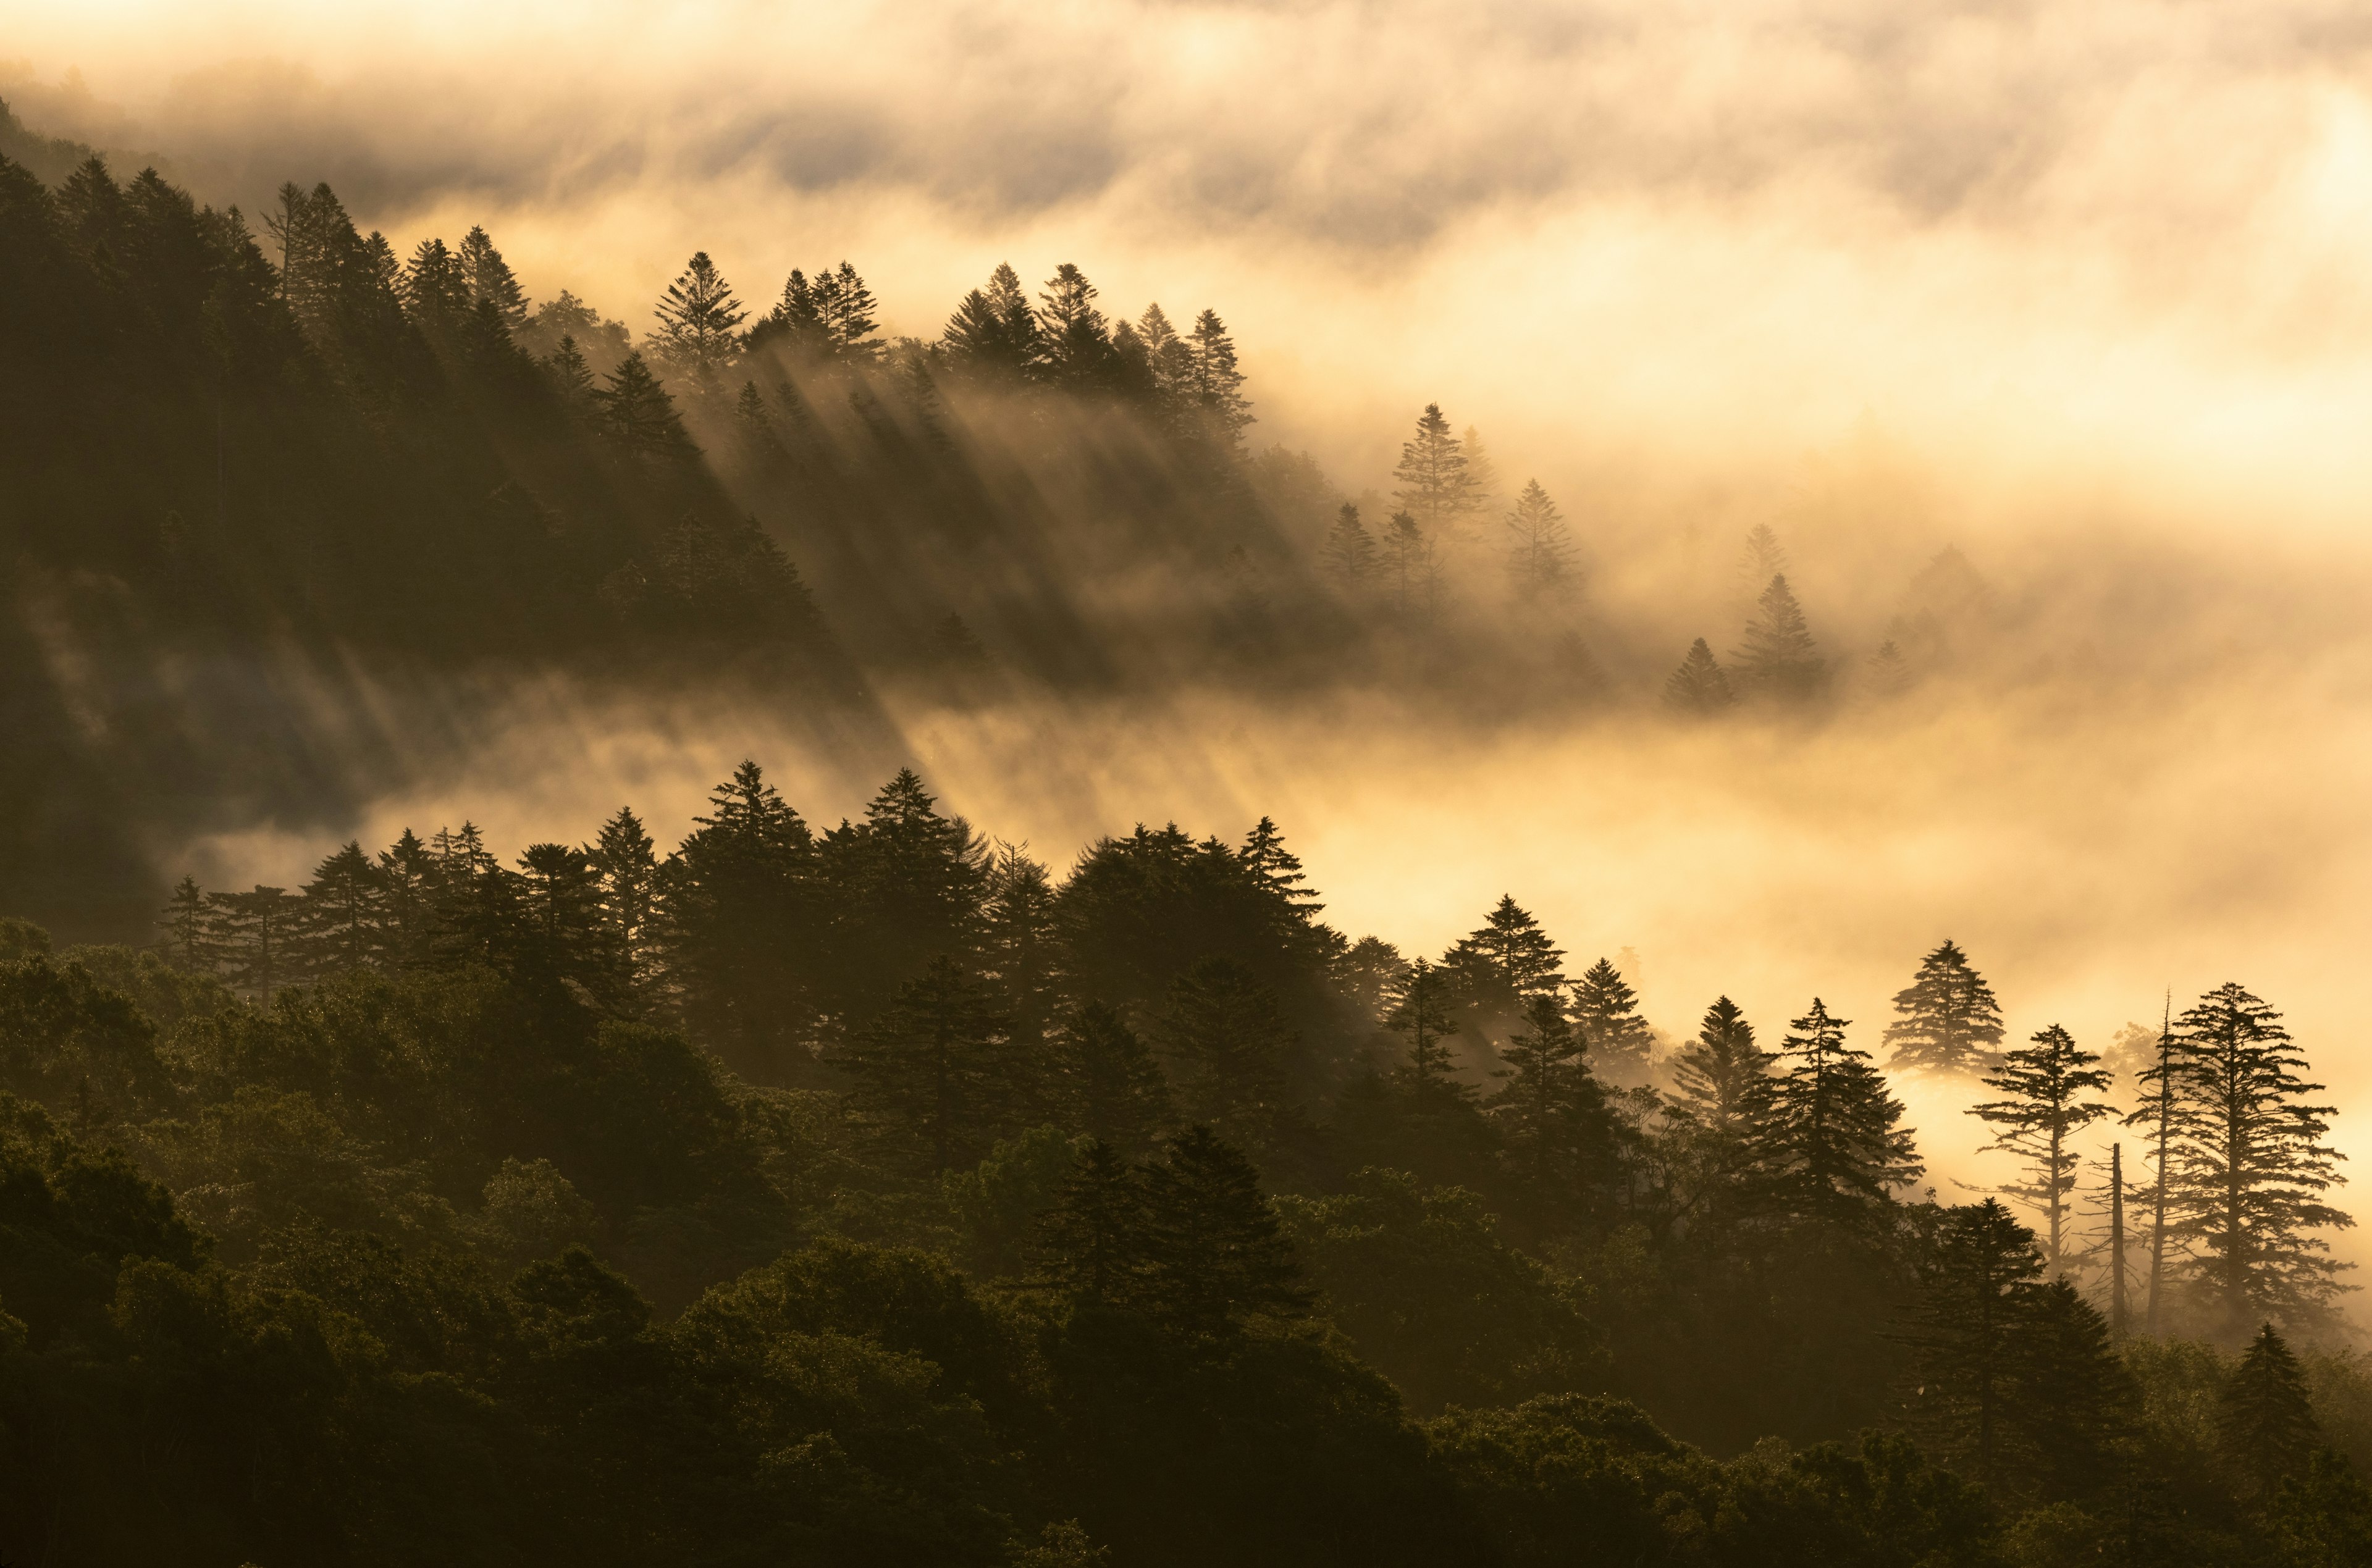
(1434, 487)
(2265, 1416)
(434, 289)
(1606, 1010)
(1779, 660)
(1832, 1146)
(934, 1071)
(1723, 1079)
(1540, 559)
(1550, 1111)
(1016, 945)
(1700, 687)
(2072, 1398)
(994, 330)
(1508, 960)
(1114, 1091)
(700, 320)
(627, 864)
(1078, 352)
(1350, 552)
(1967, 1333)
(565, 930)
(1420, 1012)
(741, 921)
(1482, 473)
(1229, 1040)
(185, 924)
(339, 923)
(491, 279)
(1889, 672)
(1761, 558)
(571, 376)
(2046, 1083)
(1214, 385)
(2249, 1164)
(640, 415)
(844, 309)
(1949, 1019)
(255, 933)
(1169, 360)
(407, 891)
(1214, 1252)
(1411, 571)
(1092, 1242)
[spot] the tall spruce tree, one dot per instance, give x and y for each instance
(1111, 1087)
(2046, 1083)
(1606, 1010)
(743, 920)
(1420, 1013)
(1948, 1019)
(1778, 659)
(1349, 551)
(491, 279)
(1214, 1252)
(1498, 968)
(625, 860)
(2265, 1416)
(1700, 687)
(1722, 1079)
(993, 331)
(1434, 486)
(1967, 1330)
(1229, 1042)
(338, 927)
(934, 1073)
(1550, 1111)
(1078, 350)
(1833, 1147)
(640, 415)
(1213, 384)
(2249, 1165)
(1539, 554)
(699, 334)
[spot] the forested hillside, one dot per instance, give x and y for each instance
(877, 1194)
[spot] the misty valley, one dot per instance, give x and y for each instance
(924, 1188)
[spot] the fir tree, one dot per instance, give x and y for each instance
(1411, 571)
(844, 309)
(184, 922)
(1420, 1012)
(741, 919)
(640, 415)
(1967, 1328)
(1213, 384)
(1092, 1242)
(2046, 1083)
(934, 1071)
(1434, 487)
(1113, 1089)
(1350, 552)
(433, 287)
(491, 279)
(2249, 1165)
(1949, 1019)
(625, 860)
(2072, 1398)
(1723, 1079)
(1606, 1010)
(1016, 945)
(1700, 687)
(2265, 1417)
(1761, 558)
(408, 888)
(338, 924)
(1779, 660)
(994, 330)
(1229, 1040)
(1482, 473)
(255, 933)
(1214, 1252)
(1540, 560)
(571, 376)
(1505, 963)
(1834, 1145)
(1550, 1111)
(1889, 672)
(1078, 352)
(700, 320)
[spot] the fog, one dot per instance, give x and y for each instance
(2081, 293)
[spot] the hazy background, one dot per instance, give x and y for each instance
(2082, 291)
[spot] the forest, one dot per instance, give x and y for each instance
(879, 1193)
(876, 1194)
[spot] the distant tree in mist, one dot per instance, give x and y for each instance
(1722, 1079)
(1350, 549)
(995, 330)
(1948, 1019)
(434, 289)
(1506, 961)
(1214, 385)
(1482, 471)
(1420, 1013)
(1778, 659)
(2046, 1085)
(1540, 558)
(1834, 1144)
(1079, 356)
(1761, 558)
(1409, 566)
(1889, 672)
(491, 280)
(1606, 1010)
(1433, 485)
(571, 376)
(700, 320)
(1700, 687)
(831, 319)
(640, 415)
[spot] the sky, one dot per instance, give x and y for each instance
(2084, 290)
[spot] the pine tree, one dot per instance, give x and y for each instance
(640, 415)
(1214, 385)
(1229, 1040)
(1700, 687)
(1889, 672)
(1779, 660)
(255, 933)
(1550, 1111)
(1950, 1020)
(2070, 1397)
(2265, 1417)
(1078, 352)
(933, 1073)
(1092, 1242)
(627, 864)
(2249, 1164)
(741, 920)
(338, 927)
(1482, 473)
(700, 320)
(1606, 1010)
(566, 933)
(1723, 1079)
(994, 330)
(2046, 1083)
(434, 288)
(1113, 1089)
(491, 279)
(571, 376)
(184, 923)
(1411, 571)
(1507, 960)
(1540, 559)
(844, 309)
(1214, 1251)
(1967, 1331)
(1761, 559)
(1434, 487)
(1834, 1145)
(1016, 947)
(1350, 552)
(1419, 1011)
(408, 877)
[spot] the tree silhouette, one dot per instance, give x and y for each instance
(1778, 659)
(1700, 687)
(2046, 1083)
(1948, 1019)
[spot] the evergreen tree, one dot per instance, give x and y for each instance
(1700, 687)
(1434, 487)
(1092, 1242)
(1168, 361)
(994, 330)
(1540, 558)
(571, 376)
(1411, 571)
(256, 933)
(934, 1071)
(1078, 351)
(2046, 1083)
(1349, 551)
(1949, 1019)
(1114, 1091)
(844, 309)
(2265, 1417)
(2249, 1165)
(742, 926)
(1482, 473)
(908, 884)
(640, 415)
(1214, 385)
(1550, 1111)
(1606, 1010)
(700, 320)
(1229, 1040)
(408, 877)
(338, 927)
(1420, 1012)
(434, 289)
(1779, 660)
(564, 930)
(184, 921)
(1214, 1252)
(1016, 944)
(2072, 1398)
(1761, 558)
(626, 862)
(1968, 1329)
(1498, 968)
(491, 279)
(1889, 672)
(1832, 1146)
(1723, 1079)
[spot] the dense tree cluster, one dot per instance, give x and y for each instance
(874, 1192)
